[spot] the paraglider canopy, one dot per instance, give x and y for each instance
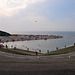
(35, 21)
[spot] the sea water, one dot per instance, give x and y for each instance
(45, 45)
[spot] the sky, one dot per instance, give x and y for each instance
(37, 15)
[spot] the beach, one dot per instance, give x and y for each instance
(17, 37)
(37, 37)
(43, 45)
(5, 40)
(32, 64)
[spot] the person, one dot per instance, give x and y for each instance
(11, 46)
(6, 46)
(56, 48)
(47, 51)
(40, 51)
(69, 57)
(36, 53)
(38, 58)
(14, 48)
(65, 46)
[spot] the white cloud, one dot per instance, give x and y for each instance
(8, 7)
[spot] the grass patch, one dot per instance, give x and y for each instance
(12, 52)
(58, 52)
(62, 51)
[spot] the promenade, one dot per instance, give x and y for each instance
(11, 64)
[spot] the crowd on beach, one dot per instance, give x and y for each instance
(16, 37)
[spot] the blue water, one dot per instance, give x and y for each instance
(44, 45)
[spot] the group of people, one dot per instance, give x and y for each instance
(6, 46)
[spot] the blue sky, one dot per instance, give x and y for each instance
(51, 15)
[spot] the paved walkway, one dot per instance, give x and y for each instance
(53, 65)
(69, 55)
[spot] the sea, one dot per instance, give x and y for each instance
(45, 45)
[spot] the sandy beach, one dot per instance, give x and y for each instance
(15, 37)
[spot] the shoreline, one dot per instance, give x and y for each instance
(27, 51)
(16, 37)
(65, 51)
